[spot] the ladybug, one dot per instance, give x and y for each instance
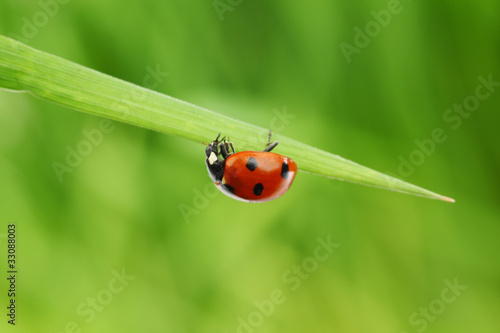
(250, 176)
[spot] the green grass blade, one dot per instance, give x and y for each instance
(83, 89)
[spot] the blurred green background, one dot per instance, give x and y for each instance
(141, 204)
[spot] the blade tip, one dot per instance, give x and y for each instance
(447, 199)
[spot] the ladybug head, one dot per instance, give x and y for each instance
(212, 150)
(216, 158)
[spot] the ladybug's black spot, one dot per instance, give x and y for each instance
(228, 187)
(284, 170)
(258, 188)
(251, 164)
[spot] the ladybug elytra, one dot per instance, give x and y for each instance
(250, 176)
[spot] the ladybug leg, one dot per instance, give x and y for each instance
(269, 136)
(220, 142)
(232, 148)
(270, 145)
(229, 144)
(221, 148)
(224, 149)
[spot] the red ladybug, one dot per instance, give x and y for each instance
(250, 176)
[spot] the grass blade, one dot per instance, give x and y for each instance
(83, 89)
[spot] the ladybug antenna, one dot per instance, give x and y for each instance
(216, 140)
